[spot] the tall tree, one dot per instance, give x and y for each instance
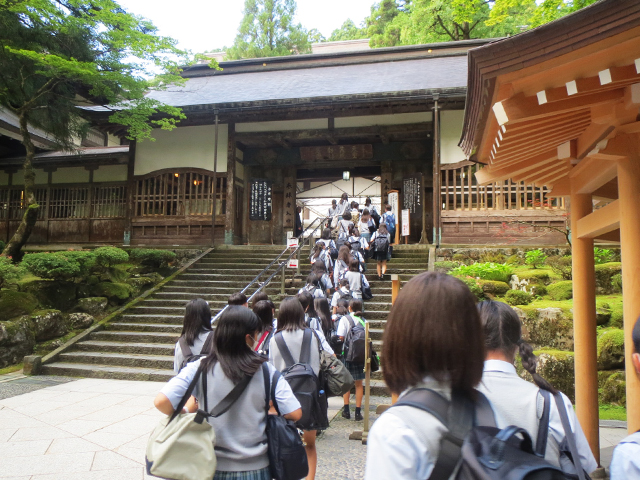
(315, 36)
(58, 55)
(348, 31)
(550, 10)
(379, 24)
(267, 30)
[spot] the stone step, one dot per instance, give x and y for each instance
(164, 362)
(145, 327)
(125, 347)
(136, 337)
(150, 309)
(379, 389)
(107, 371)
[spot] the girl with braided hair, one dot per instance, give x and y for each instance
(516, 401)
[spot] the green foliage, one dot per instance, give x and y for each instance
(539, 290)
(315, 36)
(65, 266)
(8, 271)
(110, 256)
(474, 286)
(14, 304)
(152, 257)
(445, 267)
(513, 260)
(267, 30)
(616, 283)
(347, 31)
(550, 10)
(535, 258)
(602, 255)
(494, 287)
(115, 292)
(486, 271)
(561, 266)
(492, 257)
(610, 348)
(461, 258)
(518, 297)
(612, 412)
(604, 276)
(561, 290)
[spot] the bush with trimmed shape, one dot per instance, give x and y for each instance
(518, 297)
(152, 257)
(486, 271)
(64, 266)
(561, 290)
(110, 256)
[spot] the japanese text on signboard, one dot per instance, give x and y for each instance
(412, 193)
(260, 203)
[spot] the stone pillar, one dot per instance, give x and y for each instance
(584, 325)
(629, 198)
(230, 211)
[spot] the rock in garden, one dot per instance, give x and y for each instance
(14, 304)
(93, 305)
(80, 320)
(48, 324)
(611, 349)
(16, 341)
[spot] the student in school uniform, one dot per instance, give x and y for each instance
(326, 239)
(320, 269)
(514, 400)
(342, 292)
(625, 463)
(341, 267)
(389, 219)
(320, 252)
(344, 226)
(241, 438)
(314, 286)
(357, 252)
(291, 324)
(357, 281)
(356, 369)
(380, 244)
(364, 226)
(433, 339)
(238, 299)
(264, 311)
(323, 314)
(311, 319)
(343, 206)
(196, 328)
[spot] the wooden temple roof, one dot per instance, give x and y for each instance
(538, 103)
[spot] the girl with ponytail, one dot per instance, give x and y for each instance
(516, 401)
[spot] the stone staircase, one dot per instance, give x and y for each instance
(139, 344)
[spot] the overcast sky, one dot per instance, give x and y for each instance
(200, 25)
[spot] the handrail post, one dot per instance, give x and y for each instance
(395, 287)
(367, 382)
(283, 272)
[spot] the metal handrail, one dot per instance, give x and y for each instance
(275, 260)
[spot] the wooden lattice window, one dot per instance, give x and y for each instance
(109, 201)
(69, 202)
(13, 203)
(178, 194)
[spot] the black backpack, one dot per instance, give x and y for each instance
(345, 296)
(381, 243)
(191, 357)
(287, 457)
(305, 384)
(475, 446)
(354, 342)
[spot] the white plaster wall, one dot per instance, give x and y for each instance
(392, 119)
(69, 175)
(42, 177)
(110, 173)
(182, 147)
(362, 187)
(450, 131)
(112, 140)
(310, 124)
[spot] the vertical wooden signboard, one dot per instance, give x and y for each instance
(289, 209)
(394, 201)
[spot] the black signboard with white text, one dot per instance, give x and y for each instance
(260, 202)
(412, 193)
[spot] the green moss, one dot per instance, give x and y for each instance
(561, 290)
(604, 275)
(542, 275)
(445, 267)
(614, 303)
(547, 327)
(115, 292)
(610, 349)
(11, 369)
(556, 366)
(13, 304)
(613, 412)
(494, 287)
(518, 297)
(50, 345)
(612, 387)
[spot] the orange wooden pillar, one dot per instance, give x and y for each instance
(584, 324)
(629, 197)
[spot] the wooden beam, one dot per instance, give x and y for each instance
(561, 188)
(608, 191)
(520, 108)
(592, 173)
(613, 236)
(593, 135)
(490, 174)
(599, 222)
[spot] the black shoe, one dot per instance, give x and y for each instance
(346, 413)
(359, 416)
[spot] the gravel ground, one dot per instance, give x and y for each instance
(338, 457)
(11, 388)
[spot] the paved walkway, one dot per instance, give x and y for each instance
(93, 429)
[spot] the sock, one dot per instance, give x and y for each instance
(346, 408)
(357, 409)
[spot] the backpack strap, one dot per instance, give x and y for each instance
(184, 346)
(305, 350)
(352, 323)
(284, 350)
(186, 395)
(543, 426)
(267, 384)
(207, 346)
(571, 439)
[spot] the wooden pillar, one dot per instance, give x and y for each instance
(437, 228)
(584, 325)
(230, 212)
(130, 209)
(629, 199)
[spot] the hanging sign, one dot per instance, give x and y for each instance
(412, 193)
(337, 152)
(289, 209)
(292, 242)
(405, 222)
(260, 199)
(293, 263)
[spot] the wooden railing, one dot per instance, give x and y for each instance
(461, 192)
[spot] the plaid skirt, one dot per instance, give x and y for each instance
(262, 474)
(356, 370)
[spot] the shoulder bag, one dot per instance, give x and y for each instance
(287, 456)
(188, 435)
(366, 291)
(337, 378)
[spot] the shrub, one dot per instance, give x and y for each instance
(561, 266)
(492, 257)
(610, 349)
(445, 267)
(518, 297)
(8, 271)
(64, 266)
(604, 276)
(461, 258)
(602, 255)
(152, 257)
(561, 290)
(110, 256)
(535, 258)
(485, 271)
(539, 290)
(474, 286)
(513, 260)
(616, 283)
